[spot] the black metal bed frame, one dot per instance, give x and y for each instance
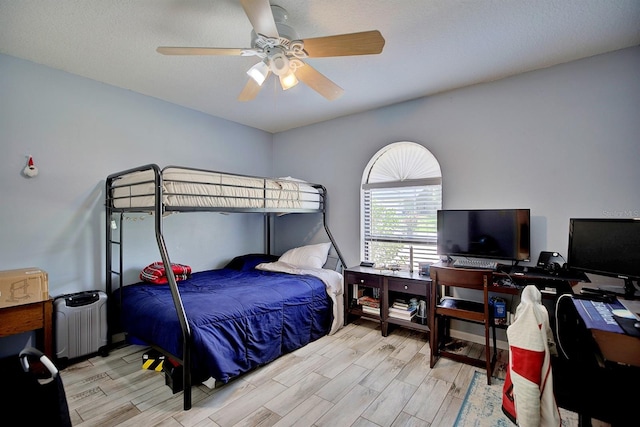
(158, 210)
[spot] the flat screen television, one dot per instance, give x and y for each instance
(485, 233)
(606, 246)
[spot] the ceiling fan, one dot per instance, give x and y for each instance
(281, 52)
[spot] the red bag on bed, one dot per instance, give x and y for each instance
(155, 273)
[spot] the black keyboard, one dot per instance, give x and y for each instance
(474, 263)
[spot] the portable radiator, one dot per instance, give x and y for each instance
(80, 324)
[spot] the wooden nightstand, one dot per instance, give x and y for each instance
(386, 287)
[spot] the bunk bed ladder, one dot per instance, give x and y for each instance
(112, 224)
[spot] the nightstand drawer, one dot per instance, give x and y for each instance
(364, 280)
(410, 287)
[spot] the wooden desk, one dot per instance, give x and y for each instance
(597, 319)
(36, 316)
(550, 285)
(387, 283)
(619, 348)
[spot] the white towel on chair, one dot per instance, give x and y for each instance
(530, 346)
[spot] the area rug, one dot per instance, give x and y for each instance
(482, 404)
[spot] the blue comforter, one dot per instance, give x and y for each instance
(239, 319)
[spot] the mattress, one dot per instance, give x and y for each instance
(239, 319)
(184, 187)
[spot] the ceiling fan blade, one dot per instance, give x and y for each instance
(318, 82)
(364, 43)
(166, 50)
(261, 17)
(250, 90)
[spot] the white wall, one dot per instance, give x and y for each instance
(79, 131)
(562, 141)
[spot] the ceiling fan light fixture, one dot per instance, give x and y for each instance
(288, 80)
(279, 63)
(282, 52)
(259, 72)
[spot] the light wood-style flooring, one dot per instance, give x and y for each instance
(353, 378)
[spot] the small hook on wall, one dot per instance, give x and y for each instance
(30, 170)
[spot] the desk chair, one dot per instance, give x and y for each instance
(444, 307)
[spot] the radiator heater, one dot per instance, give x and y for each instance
(80, 324)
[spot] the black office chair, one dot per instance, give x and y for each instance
(33, 390)
(581, 383)
(444, 307)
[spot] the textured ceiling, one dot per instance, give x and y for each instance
(431, 46)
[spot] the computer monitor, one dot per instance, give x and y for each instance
(606, 246)
(485, 233)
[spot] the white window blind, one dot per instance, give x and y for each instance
(398, 215)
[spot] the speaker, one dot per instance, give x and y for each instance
(552, 262)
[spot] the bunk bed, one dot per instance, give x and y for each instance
(227, 321)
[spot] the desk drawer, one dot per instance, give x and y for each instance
(364, 280)
(407, 286)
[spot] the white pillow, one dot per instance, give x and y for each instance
(310, 256)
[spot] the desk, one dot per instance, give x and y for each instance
(596, 317)
(36, 316)
(384, 282)
(549, 284)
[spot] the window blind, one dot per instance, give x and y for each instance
(401, 215)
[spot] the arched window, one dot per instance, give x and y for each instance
(401, 194)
